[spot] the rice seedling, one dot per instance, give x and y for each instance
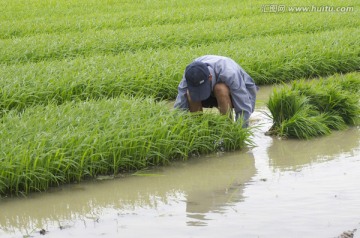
(303, 126)
(52, 145)
(65, 45)
(336, 98)
(71, 53)
(84, 15)
(71, 69)
(157, 72)
(19, 19)
(305, 109)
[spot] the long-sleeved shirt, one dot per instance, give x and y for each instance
(223, 69)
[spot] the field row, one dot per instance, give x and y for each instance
(137, 9)
(52, 145)
(137, 13)
(157, 72)
(67, 45)
(175, 23)
(112, 20)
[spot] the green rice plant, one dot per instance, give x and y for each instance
(305, 109)
(350, 83)
(333, 95)
(71, 44)
(52, 145)
(81, 15)
(303, 126)
(284, 104)
(333, 121)
(157, 72)
(19, 19)
(80, 50)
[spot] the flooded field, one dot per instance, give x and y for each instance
(279, 188)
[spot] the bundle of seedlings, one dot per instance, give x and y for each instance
(52, 145)
(305, 109)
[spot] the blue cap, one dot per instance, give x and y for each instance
(197, 78)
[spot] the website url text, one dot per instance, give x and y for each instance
(275, 8)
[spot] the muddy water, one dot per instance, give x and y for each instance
(280, 188)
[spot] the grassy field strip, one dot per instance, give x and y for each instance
(75, 44)
(67, 45)
(142, 12)
(119, 14)
(119, 20)
(305, 109)
(52, 145)
(237, 24)
(157, 72)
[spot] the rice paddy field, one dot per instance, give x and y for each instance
(91, 146)
(86, 85)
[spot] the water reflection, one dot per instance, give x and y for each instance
(204, 185)
(294, 154)
(221, 187)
